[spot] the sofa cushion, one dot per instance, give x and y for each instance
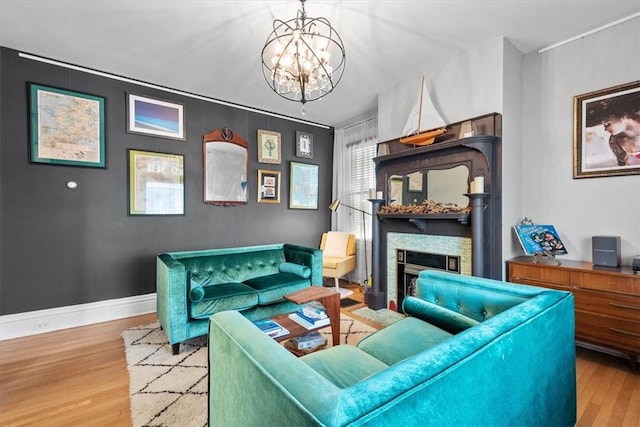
(273, 287)
(221, 297)
(402, 339)
(344, 365)
(450, 321)
(331, 262)
(297, 269)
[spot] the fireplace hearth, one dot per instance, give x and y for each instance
(410, 263)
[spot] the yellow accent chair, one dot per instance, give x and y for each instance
(338, 257)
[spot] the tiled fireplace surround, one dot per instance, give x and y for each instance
(474, 238)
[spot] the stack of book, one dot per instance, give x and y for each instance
(271, 328)
(311, 316)
(309, 341)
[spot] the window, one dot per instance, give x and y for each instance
(354, 150)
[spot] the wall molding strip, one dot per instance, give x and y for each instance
(164, 88)
(58, 318)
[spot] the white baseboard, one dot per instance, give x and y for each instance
(55, 319)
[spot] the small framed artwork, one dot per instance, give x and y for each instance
(155, 117)
(605, 132)
(67, 128)
(156, 183)
(268, 186)
(303, 191)
(415, 182)
(269, 147)
(304, 145)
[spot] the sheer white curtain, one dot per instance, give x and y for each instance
(353, 176)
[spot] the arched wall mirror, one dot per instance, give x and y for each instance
(443, 185)
(225, 157)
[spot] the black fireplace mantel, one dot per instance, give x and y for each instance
(482, 156)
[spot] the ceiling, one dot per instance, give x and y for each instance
(212, 47)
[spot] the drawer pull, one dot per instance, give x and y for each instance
(622, 331)
(630, 307)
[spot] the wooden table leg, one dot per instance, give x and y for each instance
(332, 304)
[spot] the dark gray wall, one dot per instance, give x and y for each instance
(62, 247)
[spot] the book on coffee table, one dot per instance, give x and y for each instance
(271, 328)
(308, 322)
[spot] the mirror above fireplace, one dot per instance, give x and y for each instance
(444, 184)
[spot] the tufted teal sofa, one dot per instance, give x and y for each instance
(193, 285)
(474, 352)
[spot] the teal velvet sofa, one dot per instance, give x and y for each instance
(193, 285)
(474, 352)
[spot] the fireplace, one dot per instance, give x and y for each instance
(410, 253)
(398, 231)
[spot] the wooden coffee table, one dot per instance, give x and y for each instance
(328, 297)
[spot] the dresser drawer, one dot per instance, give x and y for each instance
(608, 304)
(606, 282)
(619, 334)
(539, 276)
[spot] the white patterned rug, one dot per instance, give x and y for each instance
(168, 390)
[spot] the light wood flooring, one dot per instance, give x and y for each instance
(78, 377)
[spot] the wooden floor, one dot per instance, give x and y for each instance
(79, 377)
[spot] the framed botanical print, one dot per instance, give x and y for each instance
(606, 140)
(268, 186)
(304, 145)
(269, 147)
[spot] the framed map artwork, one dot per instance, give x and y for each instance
(67, 128)
(303, 191)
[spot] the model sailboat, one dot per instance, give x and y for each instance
(424, 123)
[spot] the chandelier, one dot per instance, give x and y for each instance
(303, 58)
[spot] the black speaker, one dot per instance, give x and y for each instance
(605, 250)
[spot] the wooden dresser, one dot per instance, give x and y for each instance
(607, 300)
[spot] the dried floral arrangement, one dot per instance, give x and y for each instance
(426, 207)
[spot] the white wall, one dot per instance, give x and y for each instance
(512, 135)
(468, 86)
(579, 208)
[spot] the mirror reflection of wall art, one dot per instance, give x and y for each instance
(155, 117)
(269, 147)
(304, 145)
(268, 186)
(303, 191)
(416, 180)
(156, 183)
(67, 128)
(606, 132)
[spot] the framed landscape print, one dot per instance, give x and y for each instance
(304, 145)
(269, 147)
(303, 191)
(268, 186)
(156, 183)
(607, 132)
(67, 127)
(155, 117)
